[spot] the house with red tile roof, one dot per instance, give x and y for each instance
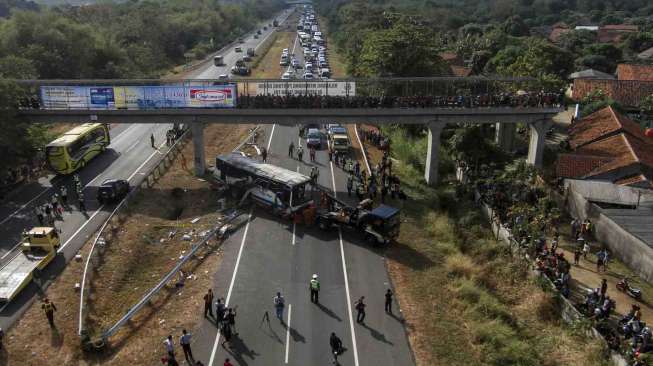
(635, 72)
(634, 83)
(608, 147)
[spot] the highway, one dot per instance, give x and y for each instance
(269, 255)
(127, 157)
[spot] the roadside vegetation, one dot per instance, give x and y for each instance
(465, 299)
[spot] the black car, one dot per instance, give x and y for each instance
(112, 190)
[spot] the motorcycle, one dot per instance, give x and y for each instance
(633, 292)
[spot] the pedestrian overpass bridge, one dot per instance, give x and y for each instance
(434, 102)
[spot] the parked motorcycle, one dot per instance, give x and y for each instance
(633, 292)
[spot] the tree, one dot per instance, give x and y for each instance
(575, 41)
(539, 59)
(598, 100)
(516, 27)
(19, 139)
(14, 67)
(405, 49)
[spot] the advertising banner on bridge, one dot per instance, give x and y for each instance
(333, 88)
(216, 96)
(138, 97)
(65, 97)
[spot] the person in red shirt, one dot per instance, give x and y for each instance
(227, 363)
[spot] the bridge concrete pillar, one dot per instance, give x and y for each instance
(537, 142)
(505, 135)
(198, 147)
(432, 153)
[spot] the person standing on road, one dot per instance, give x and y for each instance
(315, 289)
(291, 149)
(49, 309)
(81, 202)
(388, 301)
(300, 153)
(311, 152)
(219, 312)
(350, 185)
(360, 309)
(230, 319)
(184, 340)
(55, 203)
(227, 363)
(39, 214)
(170, 346)
(152, 141)
(336, 346)
(208, 303)
(279, 304)
(264, 154)
(64, 196)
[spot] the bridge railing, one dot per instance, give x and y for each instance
(272, 93)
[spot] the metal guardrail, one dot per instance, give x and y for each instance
(134, 309)
(86, 277)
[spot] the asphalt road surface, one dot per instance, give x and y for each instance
(128, 156)
(269, 255)
(230, 56)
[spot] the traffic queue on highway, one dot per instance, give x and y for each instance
(314, 51)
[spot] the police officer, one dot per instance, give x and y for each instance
(315, 289)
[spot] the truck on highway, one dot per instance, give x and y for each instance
(250, 52)
(218, 60)
(378, 226)
(240, 68)
(275, 23)
(37, 249)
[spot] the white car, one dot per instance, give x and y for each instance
(223, 77)
(294, 63)
(308, 75)
(286, 76)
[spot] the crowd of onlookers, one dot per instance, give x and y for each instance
(539, 99)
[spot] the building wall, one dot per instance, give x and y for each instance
(635, 253)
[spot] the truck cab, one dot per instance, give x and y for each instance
(340, 143)
(37, 249)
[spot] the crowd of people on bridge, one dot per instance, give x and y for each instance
(514, 100)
